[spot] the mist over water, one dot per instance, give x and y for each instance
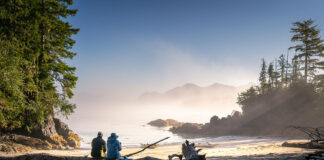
(128, 118)
(130, 124)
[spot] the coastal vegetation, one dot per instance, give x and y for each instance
(35, 78)
(290, 93)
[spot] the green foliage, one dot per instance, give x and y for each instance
(271, 76)
(309, 48)
(268, 108)
(34, 43)
(12, 99)
(263, 77)
(282, 68)
(245, 97)
(276, 75)
(308, 58)
(295, 76)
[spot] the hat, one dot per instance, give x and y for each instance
(99, 134)
(113, 135)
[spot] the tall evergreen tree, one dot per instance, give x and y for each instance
(45, 43)
(295, 75)
(309, 47)
(282, 69)
(271, 76)
(12, 98)
(263, 76)
(287, 70)
(276, 74)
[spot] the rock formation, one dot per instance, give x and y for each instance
(72, 139)
(190, 128)
(165, 123)
(158, 123)
(52, 134)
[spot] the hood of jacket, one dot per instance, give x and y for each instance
(111, 139)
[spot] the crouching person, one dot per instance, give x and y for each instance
(98, 147)
(114, 147)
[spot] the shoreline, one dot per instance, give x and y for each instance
(274, 150)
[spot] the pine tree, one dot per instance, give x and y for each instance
(44, 40)
(309, 47)
(282, 69)
(263, 77)
(271, 75)
(12, 98)
(295, 75)
(287, 69)
(276, 74)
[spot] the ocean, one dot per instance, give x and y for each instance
(136, 134)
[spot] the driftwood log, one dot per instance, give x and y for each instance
(189, 152)
(148, 146)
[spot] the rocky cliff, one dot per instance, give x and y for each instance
(52, 134)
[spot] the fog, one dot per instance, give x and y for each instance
(127, 89)
(186, 103)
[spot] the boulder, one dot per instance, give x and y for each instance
(74, 140)
(44, 131)
(58, 141)
(71, 139)
(61, 128)
(187, 128)
(158, 123)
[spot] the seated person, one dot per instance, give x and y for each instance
(114, 147)
(98, 146)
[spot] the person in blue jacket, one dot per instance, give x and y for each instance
(114, 147)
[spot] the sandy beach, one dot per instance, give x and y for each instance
(274, 150)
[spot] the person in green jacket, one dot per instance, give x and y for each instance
(98, 146)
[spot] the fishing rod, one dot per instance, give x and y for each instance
(128, 155)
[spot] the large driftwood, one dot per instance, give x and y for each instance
(190, 153)
(148, 146)
(188, 150)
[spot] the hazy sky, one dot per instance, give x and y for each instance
(127, 47)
